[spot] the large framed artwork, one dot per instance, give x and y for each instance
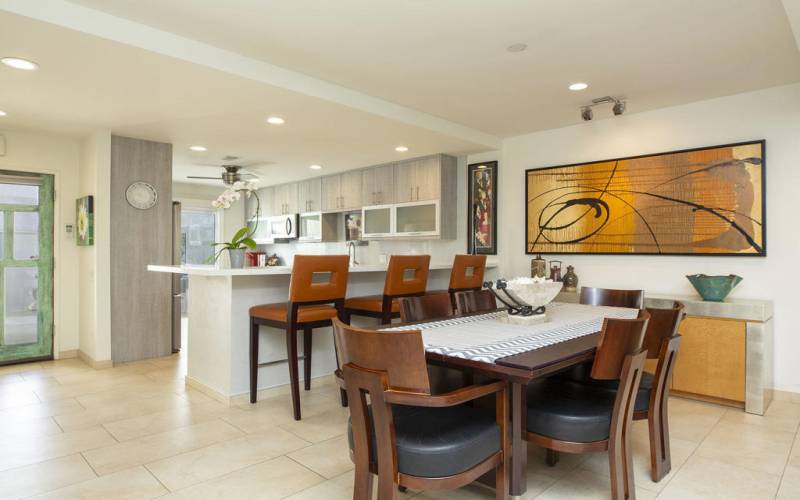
(84, 213)
(482, 205)
(704, 201)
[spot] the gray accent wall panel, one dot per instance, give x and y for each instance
(140, 300)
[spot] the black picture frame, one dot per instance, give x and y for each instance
(763, 224)
(473, 171)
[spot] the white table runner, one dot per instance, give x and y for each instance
(486, 338)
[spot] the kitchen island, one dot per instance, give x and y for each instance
(218, 305)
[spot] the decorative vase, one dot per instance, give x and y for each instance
(237, 257)
(570, 280)
(714, 288)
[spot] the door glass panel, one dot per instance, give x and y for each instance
(19, 194)
(198, 228)
(416, 218)
(377, 221)
(21, 305)
(26, 235)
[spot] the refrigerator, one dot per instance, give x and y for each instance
(177, 292)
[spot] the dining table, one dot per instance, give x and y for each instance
(491, 345)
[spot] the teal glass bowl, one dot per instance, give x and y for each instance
(714, 288)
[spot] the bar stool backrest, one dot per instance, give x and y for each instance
(618, 339)
(406, 275)
(612, 298)
(467, 272)
(425, 307)
(473, 301)
(319, 278)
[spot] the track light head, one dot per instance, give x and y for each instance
(619, 108)
(587, 114)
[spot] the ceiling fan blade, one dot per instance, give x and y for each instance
(197, 177)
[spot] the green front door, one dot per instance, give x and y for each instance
(26, 267)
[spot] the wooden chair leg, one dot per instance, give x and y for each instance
(362, 484)
(551, 457)
(387, 488)
(660, 462)
(620, 462)
(291, 354)
(253, 360)
(307, 359)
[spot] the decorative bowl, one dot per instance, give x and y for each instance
(535, 292)
(714, 288)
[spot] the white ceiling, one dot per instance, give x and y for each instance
(354, 78)
(448, 57)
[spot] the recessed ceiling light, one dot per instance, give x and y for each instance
(579, 86)
(401, 149)
(199, 149)
(517, 47)
(3, 113)
(18, 63)
(275, 120)
(315, 167)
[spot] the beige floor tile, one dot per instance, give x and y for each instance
(12, 395)
(755, 447)
(701, 478)
(340, 488)
(131, 484)
(692, 420)
(468, 492)
(114, 412)
(180, 416)
(783, 423)
(567, 462)
(11, 378)
(43, 477)
(16, 426)
(200, 465)
(87, 387)
(790, 482)
(22, 450)
(123, 393)
(274, 479)
(44, 409)
(19, 368)
(581, 484)
(166, 444)
(320, 427)
(328, 458)
(783, 409)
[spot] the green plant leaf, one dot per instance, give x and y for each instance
(249, 243)
(240, 234)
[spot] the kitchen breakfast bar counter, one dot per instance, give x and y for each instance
(218, 304)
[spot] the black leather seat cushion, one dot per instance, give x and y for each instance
(580, 374)
(437, 442)
(568, 411)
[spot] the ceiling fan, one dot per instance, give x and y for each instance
(232, 172)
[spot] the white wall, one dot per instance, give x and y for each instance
(772, 114)
(58, 155)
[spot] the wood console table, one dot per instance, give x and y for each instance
(726, 355)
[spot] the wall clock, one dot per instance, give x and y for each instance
(141, 195)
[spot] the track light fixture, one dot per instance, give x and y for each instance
(618, 106)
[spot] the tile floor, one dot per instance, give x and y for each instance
(135, 432)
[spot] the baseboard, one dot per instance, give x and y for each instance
(68, 354)
(244, 398)
(97, 365)
(779, 395)
(208, 391)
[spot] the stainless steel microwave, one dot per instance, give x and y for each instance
(283, 227)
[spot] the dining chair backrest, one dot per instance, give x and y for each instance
(399, 354)
(318, 278)
(425, 307)
(473, 301)
(406, 275)
(663, 324)
(613, 298)
(618, 339)
(467, 272)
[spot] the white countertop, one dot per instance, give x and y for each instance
(278, 270)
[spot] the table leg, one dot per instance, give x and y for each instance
(519, 446)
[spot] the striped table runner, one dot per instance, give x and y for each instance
(487, 338)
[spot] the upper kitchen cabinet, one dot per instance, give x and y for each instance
(419, 179)
(342, 192)
(377, 185)
(265, 199)
(285, 200)
(309, 195)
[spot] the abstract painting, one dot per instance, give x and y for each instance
(85, 221)
(482, 204)
(705, 201)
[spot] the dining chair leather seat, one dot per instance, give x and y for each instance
(439, 442)
(579, 374)
(305, 314)
(370, 303)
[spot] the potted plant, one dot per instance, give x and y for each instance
(243, 239)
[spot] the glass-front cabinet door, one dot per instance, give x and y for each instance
(377, 221)
(26, 267)
(417, 218)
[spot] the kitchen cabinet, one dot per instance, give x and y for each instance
(417, 218)
(377, 185)
(331, 192)
(309, 195)
(418, 180)
(316, 227)
(265, 196)
(377, 221)
(342, 192)
(285, 199)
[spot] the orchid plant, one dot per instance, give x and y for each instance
(243, 238)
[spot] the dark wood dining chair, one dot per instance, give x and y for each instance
(613, 298)
(316, 295)
(406, 435)
(564, 416)
(425, 307)
(406, 276)
(475, 301)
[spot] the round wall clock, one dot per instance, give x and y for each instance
(141, 195)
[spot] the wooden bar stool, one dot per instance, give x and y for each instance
(406, 276)
(316, 295)
(425, 307)
(475, 301)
